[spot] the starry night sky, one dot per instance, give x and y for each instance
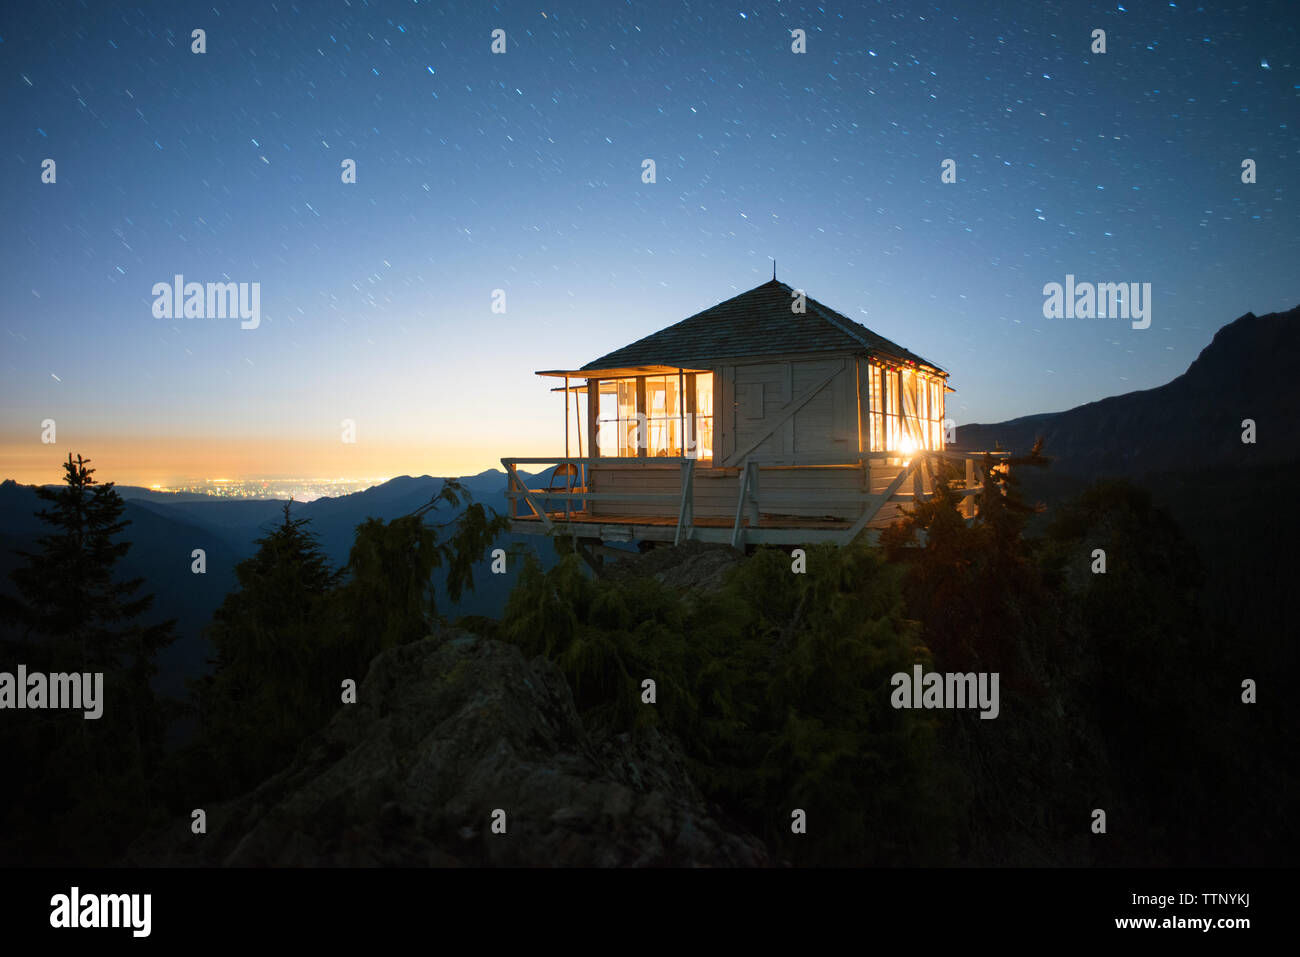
(522, 172)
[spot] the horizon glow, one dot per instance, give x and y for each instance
(522, 171)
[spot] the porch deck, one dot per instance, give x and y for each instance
(771, 529)
(762, 501)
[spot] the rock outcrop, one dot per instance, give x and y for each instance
(689, 568)
(445, 732)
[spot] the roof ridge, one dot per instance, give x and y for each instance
(759, 317)
(822, 310)
(889, 345)
(700, 312)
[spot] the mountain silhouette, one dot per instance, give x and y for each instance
(161, 553)
(1193, 421)
(166, 527)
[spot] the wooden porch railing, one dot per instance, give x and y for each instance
(921, 468)
(579, 491)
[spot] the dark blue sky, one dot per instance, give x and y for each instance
(522, 172)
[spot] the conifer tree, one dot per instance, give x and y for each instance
(69, 597)
(86, 785)
(389, 597)
(294, 629)
(271, 679)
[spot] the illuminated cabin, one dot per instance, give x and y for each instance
(751, 422)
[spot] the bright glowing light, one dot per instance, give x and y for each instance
(907, 445)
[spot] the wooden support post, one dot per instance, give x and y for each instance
(511, 487)
(875, 503)
(737, 531)
(686, 513)
(968, 503)
(857, 402)
(643, 419)
(568, 479)
(692, 417)
(578, 478)
(577, 420)
(681, 411)
(753, 495)
(538, 510)
(593, 416)
(595, 561)
(593, 426)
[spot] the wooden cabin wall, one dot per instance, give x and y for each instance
(715, 490)
(823, 492)
(756, 394)
(749, 400)
(809, 492)
(862, 368)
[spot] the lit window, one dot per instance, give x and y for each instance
(663, 415)
(666, 427)
(905, 410)
(876, 410)
(703, 418)
(616, 424)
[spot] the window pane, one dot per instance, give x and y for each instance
(876, 413)
(663, 415)
(660, 426)
(628, 431)
(704, 393)
(908, 432)
(703, 437)
(607, 430)
(616, 417)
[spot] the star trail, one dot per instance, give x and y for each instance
(521, 171)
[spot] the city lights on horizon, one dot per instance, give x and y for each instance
(299, 489)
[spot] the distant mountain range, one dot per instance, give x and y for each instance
(166, 527)
(1187, 433)
(1247, 372)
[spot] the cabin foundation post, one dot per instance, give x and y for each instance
(568, 481)
(968, 502)
(686, 513)
(753, 494)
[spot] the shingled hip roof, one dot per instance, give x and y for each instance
(755, 323)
